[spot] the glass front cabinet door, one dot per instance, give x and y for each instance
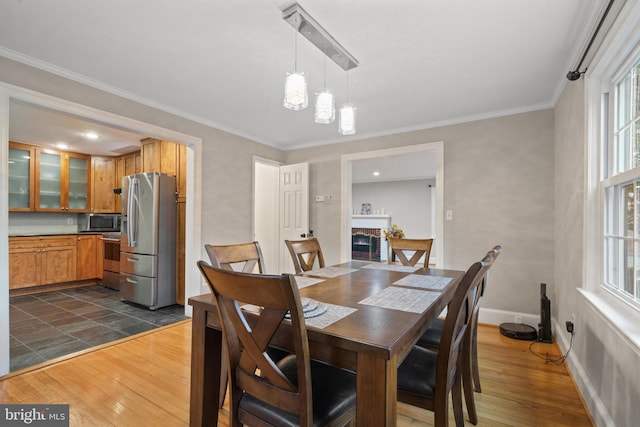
(62, 183)
(21, 173)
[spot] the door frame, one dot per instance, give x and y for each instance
(346, 208)
(8, 92)
(271, 164)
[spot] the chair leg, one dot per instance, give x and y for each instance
(466, 374)
(474, 357)
(456, 397)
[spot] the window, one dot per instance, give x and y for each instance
(621, 185)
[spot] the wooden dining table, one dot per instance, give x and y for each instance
(372, 340)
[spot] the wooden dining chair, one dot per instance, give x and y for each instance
(402, 248)
(304, 254)
(470, 374)
(246, 256)
(426, 377)
(292, 391)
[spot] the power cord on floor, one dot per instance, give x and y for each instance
(547, 358)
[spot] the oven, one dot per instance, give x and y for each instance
(111, 261)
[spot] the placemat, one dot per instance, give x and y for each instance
(404, 299)
(329, 271)
(424, 282)
(393, 267)
(332, 315)
(303, 281)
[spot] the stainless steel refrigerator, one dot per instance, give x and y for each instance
(148, 239)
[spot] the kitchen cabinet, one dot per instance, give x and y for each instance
(21, 177)
(171, 158)
(88, 261)
(62, 181)
(103, 179)
(41, 260)
(127, 164)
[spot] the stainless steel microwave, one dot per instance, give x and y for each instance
(99, 222)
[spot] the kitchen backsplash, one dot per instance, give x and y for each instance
(42, 223)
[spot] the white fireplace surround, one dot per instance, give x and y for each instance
(382, 222)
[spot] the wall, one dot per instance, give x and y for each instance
(499, 183)
(42, 223)
(407, 202)
(602, 360)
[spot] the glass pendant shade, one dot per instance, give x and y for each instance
(325, 108)
(347, 120)
(295, 92)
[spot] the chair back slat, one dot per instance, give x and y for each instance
(304, 254)
(246, 257)
(401, 248)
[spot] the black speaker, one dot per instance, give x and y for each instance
(544, 327)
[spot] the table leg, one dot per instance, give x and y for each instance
(206, 345)
(376, 393)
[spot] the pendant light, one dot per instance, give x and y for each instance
(295, 87)
(325, 105)
(347, 122)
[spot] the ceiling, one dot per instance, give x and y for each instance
(422, 63)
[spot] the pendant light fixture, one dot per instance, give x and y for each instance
(347, 122)
(325, 104)
(295, 87)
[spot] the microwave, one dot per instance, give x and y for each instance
(99, 222)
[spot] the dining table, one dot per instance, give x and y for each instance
(366, 317)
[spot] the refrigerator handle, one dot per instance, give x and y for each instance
(133, 208)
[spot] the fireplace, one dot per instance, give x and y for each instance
(365, 244)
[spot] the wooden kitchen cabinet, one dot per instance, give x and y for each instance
(62, 181)
(21, 177)
(127, 164)
(41, 260)
(103, 179)
(88, 261)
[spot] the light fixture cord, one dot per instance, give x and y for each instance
(324, 83)
(295, 49)
(347, 86)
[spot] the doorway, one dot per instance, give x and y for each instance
(9, 93)
(436, 149)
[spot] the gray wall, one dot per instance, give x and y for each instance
(499, 183)
(407, 202)
(603, 363)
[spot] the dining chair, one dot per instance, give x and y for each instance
(293, 391)
(426, 377)
(470, 374)
(248, 256)
(402, 248)
(304, 254)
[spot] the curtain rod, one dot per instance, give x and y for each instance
(575, 75)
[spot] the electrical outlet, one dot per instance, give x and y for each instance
(518, 319)
(570, 326)
(69, 221)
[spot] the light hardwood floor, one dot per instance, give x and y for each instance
(145, 381)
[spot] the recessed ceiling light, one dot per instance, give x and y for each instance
(376, 173)
(62, 145)
(91, 135)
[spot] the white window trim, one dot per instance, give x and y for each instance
(620, 49)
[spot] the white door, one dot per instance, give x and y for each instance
(266, 220)
(294, 209)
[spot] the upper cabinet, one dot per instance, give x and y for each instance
(21, 177)
(103, 180)
(62, 181)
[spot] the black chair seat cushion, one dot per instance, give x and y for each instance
(431, 338)
(417, 372)
(334, 393)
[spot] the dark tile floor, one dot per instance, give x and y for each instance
(53, 324)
